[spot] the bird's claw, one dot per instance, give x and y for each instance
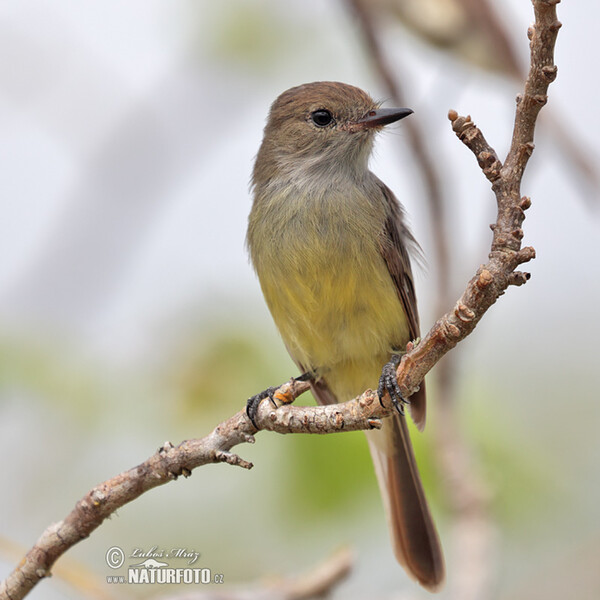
(388, 383)
(254, 401)
(276, 397)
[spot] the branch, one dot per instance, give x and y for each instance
(494, 277)
(170, 462)
(316, 583)
(365, 412)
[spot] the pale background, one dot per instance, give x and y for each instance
(129, 314)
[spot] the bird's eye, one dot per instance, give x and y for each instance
(321, 117)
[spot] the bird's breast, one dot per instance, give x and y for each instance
(324, 279)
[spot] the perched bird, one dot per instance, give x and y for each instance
(329, 243)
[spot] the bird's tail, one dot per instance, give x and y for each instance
(414, 536)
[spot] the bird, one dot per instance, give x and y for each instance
(332, 251)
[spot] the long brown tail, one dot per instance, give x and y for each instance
(415, 539)
(414, 536)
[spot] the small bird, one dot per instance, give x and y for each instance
(330, 246)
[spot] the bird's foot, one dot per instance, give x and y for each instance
(254, 401)
(276, 397)
(389, 383)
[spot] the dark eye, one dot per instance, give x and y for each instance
(321, 117)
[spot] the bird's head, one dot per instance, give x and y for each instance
(321, 127)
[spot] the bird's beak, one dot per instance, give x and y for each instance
(383, 116)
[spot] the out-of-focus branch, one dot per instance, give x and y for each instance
(430, 169)
(476, 32)
(317, 583)
(484, 14)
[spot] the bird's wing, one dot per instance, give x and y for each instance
(395, 242)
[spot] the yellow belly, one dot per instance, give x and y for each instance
(338, 313)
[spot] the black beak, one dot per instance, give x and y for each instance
(383, 116)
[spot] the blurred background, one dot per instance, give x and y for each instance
(129, 314)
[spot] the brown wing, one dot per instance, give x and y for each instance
(396, 239)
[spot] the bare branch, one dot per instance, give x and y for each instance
(542, 73)
(492, 278)
(472, 137)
